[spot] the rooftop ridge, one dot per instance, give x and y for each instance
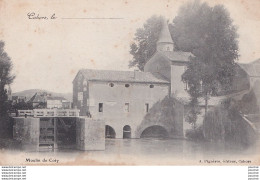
(122, 76)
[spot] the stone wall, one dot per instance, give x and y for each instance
(158, 64)
(167, 113)
(114, 99)
(178, 88)
(27, 130)
(90, 134)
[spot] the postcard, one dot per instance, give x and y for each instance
(127, 82)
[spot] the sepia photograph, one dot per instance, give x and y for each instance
(127, 82)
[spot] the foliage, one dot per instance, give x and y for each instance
(224, 123)
(195, 134)
(215, 123)
(5, 79)
(22, 106)
(209, 34)
(145, 39)
(248, 104)
(5, 67)
(194, 111)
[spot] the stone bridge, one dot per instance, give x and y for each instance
(164, 119)
(167, 114)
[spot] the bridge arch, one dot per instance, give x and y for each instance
(126, 132)
(110, 132)
(154, 131)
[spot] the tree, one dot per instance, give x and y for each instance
(22, 106)
(5, 79)
(208, 33)
(145, 42)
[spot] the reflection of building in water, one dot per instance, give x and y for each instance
(133, 102)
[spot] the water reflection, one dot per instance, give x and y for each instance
(152, 148)
(174, 147)
(151, 151)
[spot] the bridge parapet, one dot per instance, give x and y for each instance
(49, 113)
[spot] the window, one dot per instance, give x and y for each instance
(168, 48)
(80, 96)
(127, 85)
(126, 107)
(111, 84)
(151, 86)
(146, 107)
(100, 107)
(85, 82)
(186, 86)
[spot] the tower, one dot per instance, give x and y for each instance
(165, 42)
(169, 63)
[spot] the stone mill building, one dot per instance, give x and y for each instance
(133, 102)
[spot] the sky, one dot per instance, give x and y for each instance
(47, 54)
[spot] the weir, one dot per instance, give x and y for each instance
(37, 129)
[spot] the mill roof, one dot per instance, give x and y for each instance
(173, 56)
(122, 76)
(177, 55)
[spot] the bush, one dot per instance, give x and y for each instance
(224, 123)
(215, 123)
(195, 134)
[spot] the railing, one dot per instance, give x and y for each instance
(49, 113)
(255, 118)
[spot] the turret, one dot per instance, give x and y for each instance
(165, 42)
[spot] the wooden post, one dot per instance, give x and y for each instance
(55, 146)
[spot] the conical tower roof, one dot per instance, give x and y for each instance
(165, 36)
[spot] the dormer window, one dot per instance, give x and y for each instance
(111, 84)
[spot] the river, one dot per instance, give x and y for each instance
(163, 151)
